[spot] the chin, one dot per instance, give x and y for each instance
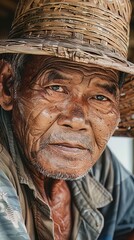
(56, 174)
(65, 176)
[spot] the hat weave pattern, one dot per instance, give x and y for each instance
(126, 126)
(76, 21)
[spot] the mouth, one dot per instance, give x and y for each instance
(66, 147)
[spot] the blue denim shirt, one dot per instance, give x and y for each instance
(103, 200)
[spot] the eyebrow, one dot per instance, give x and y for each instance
(53, 75)
(112, 89)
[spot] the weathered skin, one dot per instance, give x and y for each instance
(65, 122)
(63, 116)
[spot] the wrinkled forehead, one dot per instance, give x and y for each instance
(35, 65)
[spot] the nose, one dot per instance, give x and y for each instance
(74, 118)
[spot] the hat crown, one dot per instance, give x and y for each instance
(101, 24)
(120, 7)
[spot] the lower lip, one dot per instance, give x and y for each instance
(72, 150)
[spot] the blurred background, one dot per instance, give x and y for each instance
(123, 148)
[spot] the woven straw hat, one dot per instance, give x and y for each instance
(85, 31)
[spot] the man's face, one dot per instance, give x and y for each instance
(64, 114)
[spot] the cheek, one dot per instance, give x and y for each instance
(104, 125)
(103, 128)
(42, 119)
(33, 123)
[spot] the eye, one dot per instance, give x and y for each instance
(56, 88)
(100, 98)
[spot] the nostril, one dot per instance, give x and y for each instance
(77, 127)
(67, 125)
(82, 129)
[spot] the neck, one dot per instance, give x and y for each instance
(56, 194)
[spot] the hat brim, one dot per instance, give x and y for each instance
(74, 52)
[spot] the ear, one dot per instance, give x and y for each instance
(6, 82)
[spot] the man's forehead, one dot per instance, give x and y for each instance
(48, 62)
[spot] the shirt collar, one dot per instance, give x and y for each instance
(92, 190)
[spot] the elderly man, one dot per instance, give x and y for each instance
(60, 97)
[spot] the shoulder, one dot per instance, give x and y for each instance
(8, 170)
(11, 221)
(11, 200)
